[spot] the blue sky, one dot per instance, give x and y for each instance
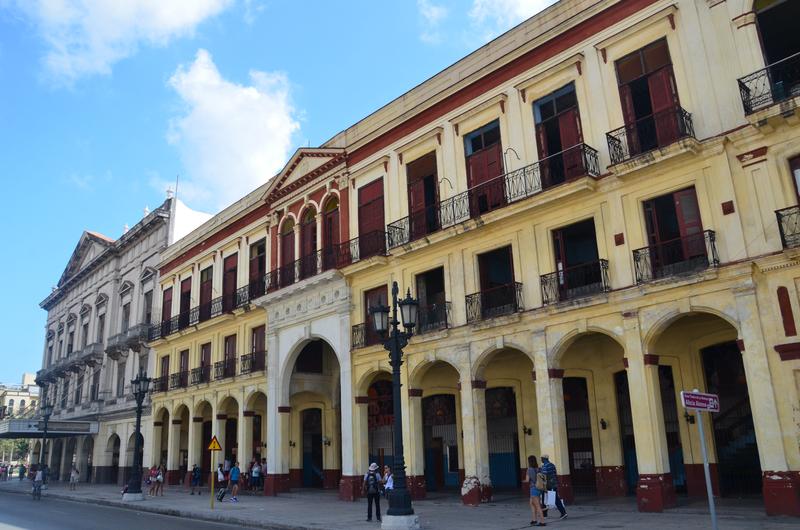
(103, 103)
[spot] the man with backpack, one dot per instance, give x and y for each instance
(195, 479)
(549, 469)
(372, 489)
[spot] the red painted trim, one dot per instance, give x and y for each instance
(222, 416)
(788, 352)
(650, 359)
(158, 424)
(248, 413)
(197, 419)
(215, 238)
(414, 392)
(362, 400)
(477, 383)
(283, 409)
(176, 422)
(740, 345)
(750, 155)
(728, 208)
(625, 362)
(555, 373)
(607, 18)
(787, 315)
(533, 375)
(619, 239)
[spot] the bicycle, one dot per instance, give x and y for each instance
(36, 492)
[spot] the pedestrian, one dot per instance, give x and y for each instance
(233, 481)
(537, 482)
(195, 479)
(388, 481)
(73, 478)
(255, 475)
(45, 474)
(21, 472)
(372, 489)
(160, 478)
(549, 469)
(151, 480)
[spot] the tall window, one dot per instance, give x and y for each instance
(70, 341)
(10, 407)
(484, 159)
(95, 390)
(78, 389)
(777, 27)
(371, 236)
(84, 335)
(258, 267)
(126, 317)
(121, 365)
(101, 327)
(185, 302)
(206, 282)
(229, 273)
(166, 304)
(148, 307)
(423, 196)
(558, 131)
(794, 167)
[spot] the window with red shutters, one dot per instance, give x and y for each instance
(558, 128)
(423, 196)
(330, 232)
(206, 284)
(258, 268)
(166, 304)
(484, 161)
(371, 238)
(229, 268)
(373, 298)
(185, 302)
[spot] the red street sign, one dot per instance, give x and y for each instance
(700, 401)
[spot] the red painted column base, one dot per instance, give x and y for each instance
(416, 487)
(295, 478)
(696, 479)
(486, 492)
(471, 491)
(173, 477)
(330, 478)
(781, 492)
(655, 492)
(610, 481)
(350, 487)
(276, 483)
(187, 480)
(565, 488)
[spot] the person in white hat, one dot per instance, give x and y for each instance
(372, 489)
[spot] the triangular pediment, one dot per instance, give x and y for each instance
(305, 164)
(90, 245)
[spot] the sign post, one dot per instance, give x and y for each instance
(213, 447)
(701, 402)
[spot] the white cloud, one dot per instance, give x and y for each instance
(86, 37)
(432, 16)
(232, 138)
(497, 16)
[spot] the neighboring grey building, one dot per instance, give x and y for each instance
(96, 343)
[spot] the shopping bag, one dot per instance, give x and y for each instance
(550, 498)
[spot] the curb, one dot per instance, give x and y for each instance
(173, 512)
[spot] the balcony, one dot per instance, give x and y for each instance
(683, 255)
(494, 302)
(576, 282)
(225, 369)
(200, 375)
(769, 86)
(577, 161)
(179, 380)
(116, 346)
(651, 132)
(181, 321)
(160, 383)
(434, 317)
(136, 337)
(789, 226)
(253, 362)
(363, 335)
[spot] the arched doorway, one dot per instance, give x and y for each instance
(256, 427)
(308, 243)
(287, 271)
(315, 397)
(88, 458)
(601, 449)
(112, 456)
(129, 454)
(228, 431)
(180, 424)
(330, 232)
(56, 449)
(37, 450)
(699, 350)
(203, 423)
(380, 420)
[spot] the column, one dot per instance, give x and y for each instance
(276, 477)
(173, 452)
(655, 490)
(194, 448)
(158, 429)
(82, 458)
(348, 467)
(415, 449)
(245, 435)
(781, 486)
(477, 485)
(552, 422)
(332, 452)
(64, 468)
(123, 469)
(350, 486)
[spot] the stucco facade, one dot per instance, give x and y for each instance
(597, 210)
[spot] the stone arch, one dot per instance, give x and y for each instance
(287, 367)
(112, 454)
(651, 335)
(560, 348)
(330, 199)
(482, 360)
(177, 408)
(200, 407)
(418, 372)
(287, 223)
(368, 377)
(309, 208)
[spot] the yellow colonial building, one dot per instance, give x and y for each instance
(596, 210)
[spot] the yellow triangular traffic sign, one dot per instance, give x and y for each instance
(214, 445)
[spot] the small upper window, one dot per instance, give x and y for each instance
(482, 138)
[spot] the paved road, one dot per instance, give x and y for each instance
(19, 512)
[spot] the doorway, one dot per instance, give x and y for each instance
(423, 196)
(675, 234)
(669, 404)
(312, 448)
(626, 430)
(501, 428)
(432, 304)
(440, 443)
(579, 436)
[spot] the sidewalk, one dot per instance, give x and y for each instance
(305, 510)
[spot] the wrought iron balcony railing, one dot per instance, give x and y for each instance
(160, 383)
(789, 226)
(648, 133)
(777, 82)
(225, 369)
(494, 302)
(683, 255)
(200, 375)
(575, 282)
(433, 317)
(179, 380)
(363, 335)
(577, 161)
(253, 362)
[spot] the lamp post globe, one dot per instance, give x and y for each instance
(140, 387)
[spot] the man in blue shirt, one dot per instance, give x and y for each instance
(233, 482)
(549, 469)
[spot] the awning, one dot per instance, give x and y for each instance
(34, 428)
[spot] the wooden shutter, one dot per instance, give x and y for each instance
(206, 279)
(664, 100)
(229, 267)
(258, 261)
(569, 128)
(689, 223)
(794, 167)
(205, 354)
(165, 366)
(371, 219)
(330, 238)
(629, 117)
(186, 295)
(651, 223)
(308, 237)
(373, 297)
(230, 347)
(166, 304)
(184, 361)
(287, 248)
(416, 208)
(258, 339)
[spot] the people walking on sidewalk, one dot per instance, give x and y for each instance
(388, 481)
(549, 469)
(195, 479)
(255, 476)
(233, 482)
(73, 478)
(21, 472)
(537, 483)
(372, 489)
(160, 478)
(151, 480)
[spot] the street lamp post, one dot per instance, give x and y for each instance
(400, 499)
(140, 386)
(47, 410)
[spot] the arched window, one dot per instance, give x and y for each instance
(22, 405)
(330, 232)
(287, 275)
(308, 243)
(10, 407)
